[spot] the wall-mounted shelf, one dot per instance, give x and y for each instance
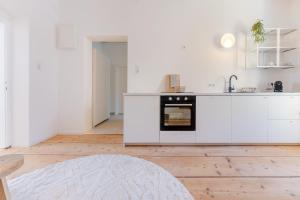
(283, 31)
(270, 49)
(280, 50)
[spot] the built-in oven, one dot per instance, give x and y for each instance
(178, 113)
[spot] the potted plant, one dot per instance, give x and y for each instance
(258, 31)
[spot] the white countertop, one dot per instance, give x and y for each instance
(217, 94)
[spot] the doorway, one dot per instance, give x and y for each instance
(109, 83)
(3, 86)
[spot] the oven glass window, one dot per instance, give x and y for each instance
(178, 116)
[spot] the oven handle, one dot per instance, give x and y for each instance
(189, 105)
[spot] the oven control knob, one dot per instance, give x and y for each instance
(170, 98)
(186, 98)
(178, 98)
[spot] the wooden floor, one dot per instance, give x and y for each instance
(209, 173)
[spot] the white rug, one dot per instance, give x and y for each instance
(101, 177)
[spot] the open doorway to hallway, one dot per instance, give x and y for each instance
(109, 84)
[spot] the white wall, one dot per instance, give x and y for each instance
(274, 14)
(20, 84)
(43, 71)
(3, 95)
(158, 31)
(291, 77)
(34, 81)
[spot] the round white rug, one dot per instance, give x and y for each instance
(101, 177)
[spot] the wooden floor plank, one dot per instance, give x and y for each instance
(208, 188)
(215, 151)
(199, 166)
(229, 166)
(208, 172)
(243, 188)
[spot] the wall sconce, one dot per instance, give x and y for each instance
(228, 40)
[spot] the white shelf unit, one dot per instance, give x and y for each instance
(279, 50)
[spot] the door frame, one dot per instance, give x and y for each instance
(6, 139)
(88, 63)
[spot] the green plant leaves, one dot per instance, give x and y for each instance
(258, 31)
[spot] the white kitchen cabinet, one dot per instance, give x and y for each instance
(284, 107)
(250, 119)
(284, 115)
(178, 137)
(220, 119)
(284, 131)
(141, 119)
(213, 119)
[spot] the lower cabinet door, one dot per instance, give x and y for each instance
(250, 119)
(141, 119)
(213, 119)
(284, 131)
(284, 108)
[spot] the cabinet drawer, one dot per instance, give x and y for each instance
(284, 107)
(178, 137)
(284, 131)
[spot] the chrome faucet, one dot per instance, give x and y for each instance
(231, 88)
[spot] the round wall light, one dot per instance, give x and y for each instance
(228, 40)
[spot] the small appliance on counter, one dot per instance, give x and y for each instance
(278, 86)
(173, 84)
